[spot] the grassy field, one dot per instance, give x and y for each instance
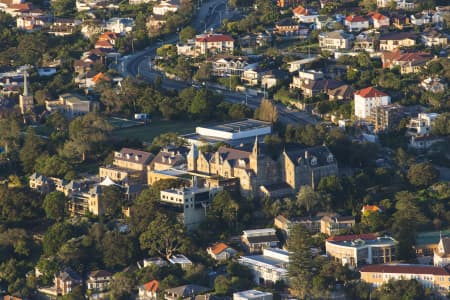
(146, 133)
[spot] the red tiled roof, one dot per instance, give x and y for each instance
(152, 286)
(415, 56)
(405, 269)
(21, 6)
(300, 10)
(377, 16)
(100, 76)
(370, 92)
(211, 38)
(373, 208)
(103, 44)
(355, 19)
(108, 35)
(218, 248)
(352, 237)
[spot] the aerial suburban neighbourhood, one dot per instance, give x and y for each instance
(224, 149)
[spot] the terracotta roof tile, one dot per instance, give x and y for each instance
(152, 286)
(212, 38)
(218, 248)
(370, 92)
(355, 19)
(406, 269)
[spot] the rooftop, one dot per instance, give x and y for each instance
(239, 126)
(251, 294)
(406, 269)
(370, 92)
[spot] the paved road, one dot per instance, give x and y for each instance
(209, 15)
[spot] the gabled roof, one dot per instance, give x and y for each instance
(354, 19)
(406, 269)
(151, 286)
(395, 36)
(133, 155)
(100, 273)
(446, 245)
(213, 38)
(371, 208)
(187, 290)
(100, 76)
(219, 248)
(370, 92)
(300, 10)
(377, 16)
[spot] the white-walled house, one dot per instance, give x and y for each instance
(356, 23)
(367, 99)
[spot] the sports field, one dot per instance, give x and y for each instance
(147, 132)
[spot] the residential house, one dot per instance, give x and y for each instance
(399, 4)
(315, 87)
(129, 165)
(304, 76)
(436, 278)
(441, 256)
(29, 23)
(63, 27)
(379, 20)
(366, 41)
(221, 251)
(324, 23)
(287, 27)
(252, 75)
(354, 250)
(335, 40)
(409, 62)
(90, 79)
(356, 23)
(396, 40)
(146, 262)
(98, 281)
(367, 99)
(434, 38)
(71, 105)
(87, 62)
(149, 290)
(400, 20)
(304, 15)
(214, 43)
(427, 17)
(341, 93)
(424, 142)
(227, 66)
(273, 77)
(386, 117)
(164, 7)
(184, 292)
(433, 84)
(120, 26)
(106, 40)
(191, 203)
(284, 3)
(180, 259)
(297, 65)
(256, 240)
(40, 183)
(66, 280)
(252, 295)
(268, 268)
(422, 124)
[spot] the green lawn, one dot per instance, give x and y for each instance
(146, 133)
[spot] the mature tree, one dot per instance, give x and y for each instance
(118, 249)
(422, 175)
(162, 237)
(9, 134)
(204, 72)
(183, 68)
(63, 7)
(408, 219)
(55, 205)
(401, 289)
(186, 33)
(54, 166)
(17, 205)
(87, 134)
(31, 149)
(267, 111)
(112, 199)
(308, 198)
(168, 138)
(301, 268)
(332, 186)
(222, 285)
(122, 286)
(224, 208)
(56, 236)
(441, 125)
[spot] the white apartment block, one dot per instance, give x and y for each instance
(367, 99)
(164, 8)
(334, 40)
(252, 295)
(422, 124)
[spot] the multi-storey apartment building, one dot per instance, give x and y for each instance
(368, 99)
(335, 40)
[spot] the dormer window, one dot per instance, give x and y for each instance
(330, 158)
(313, 161)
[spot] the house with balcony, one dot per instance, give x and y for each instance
(378, 20)
(367, 99)
(149, 291)
(397, 40)
(98, 281)
(409, 62)
(212, 43)
(356, 23)
(221, 251)
(434, 38)
(165, 7)
(226, 66)
(335, 40)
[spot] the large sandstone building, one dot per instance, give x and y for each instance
(260, 172)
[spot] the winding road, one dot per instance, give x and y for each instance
(208, 16)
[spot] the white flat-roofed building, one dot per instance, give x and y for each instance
(256, 240)
(181, 260)
(192, 203)
(269, 267)
(422, 124)
(252, 295)
(233, 133)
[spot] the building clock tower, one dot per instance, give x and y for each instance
(26, 100)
